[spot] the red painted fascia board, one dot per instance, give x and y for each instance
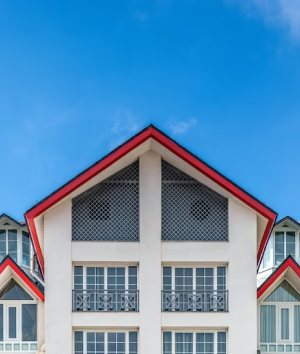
(9, 263)
(151, 132)
(288, 263)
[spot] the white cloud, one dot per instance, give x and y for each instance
(125, 126)
(182, 127)
(277, 13)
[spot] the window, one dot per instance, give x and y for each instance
(25, 249)
(18, 319)
(29, 323)
(197, 289)
(194, 342)
(105, 288)
(284, 245)
(8, 244)
(280, 320)
(105, 342)
(12, 322)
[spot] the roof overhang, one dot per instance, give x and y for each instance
(4, 218)
(148, 138)
(289, 270)
(287, 221)
(8, 269)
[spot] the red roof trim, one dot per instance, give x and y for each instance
(150, 132)
(8, 262)
(289, 262)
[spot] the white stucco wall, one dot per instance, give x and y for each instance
(242, 335)
(150, 253)
(58, 277)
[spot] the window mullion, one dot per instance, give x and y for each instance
(173, 342)
(126, 342)
(194, 278)
(126, 278)
(173, 277)
(194, 342)
(105, 278)
(84, 273)
(7, 242)
(105, 342)
(215, 342)
(284, 245)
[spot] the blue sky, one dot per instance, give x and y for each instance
(78, 78)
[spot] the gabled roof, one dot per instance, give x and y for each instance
(19, 223)
(287, 221)
(9, 262)
(289, 268)
(155, 134)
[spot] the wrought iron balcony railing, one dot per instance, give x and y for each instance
(105, 300)
(194, 300)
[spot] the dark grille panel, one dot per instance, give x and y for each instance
(109, 211)
(190, 210)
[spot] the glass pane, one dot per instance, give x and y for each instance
(78, 339)
(29, 323)
(279, 247)
(12, 235)
(25, 248)
(290, 243)
(267, 324)
(133, 342)
(3, 235)
(285, 324)
(12, 244)
(12, 322)
(13, 291)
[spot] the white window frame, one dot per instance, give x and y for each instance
(194, 267)
(30, 249)
(84, 286)
(85, 331)
(290, 307)
(284, 231)
(194, 338)
(19, 243)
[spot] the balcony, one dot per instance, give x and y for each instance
(195, 301)
(105, 300)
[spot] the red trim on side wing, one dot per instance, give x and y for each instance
(274, 276)
(9, 263)
(151, 132)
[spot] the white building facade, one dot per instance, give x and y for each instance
(279, 290)
(150, 250)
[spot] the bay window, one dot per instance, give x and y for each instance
(18, 319)
(284, 245)
(8, 244)
(204, 342)
(91, 342)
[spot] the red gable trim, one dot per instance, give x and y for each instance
(168, 143)
(8, 262)
(289, 262)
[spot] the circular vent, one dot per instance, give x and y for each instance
(200, 210)
(99, 210)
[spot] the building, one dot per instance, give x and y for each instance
(22, 291)
(279, 290)
(150, 250)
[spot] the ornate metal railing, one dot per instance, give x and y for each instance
(203, 301)
(105, 300)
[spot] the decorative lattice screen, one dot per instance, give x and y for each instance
(190, 210)
(109, 211)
